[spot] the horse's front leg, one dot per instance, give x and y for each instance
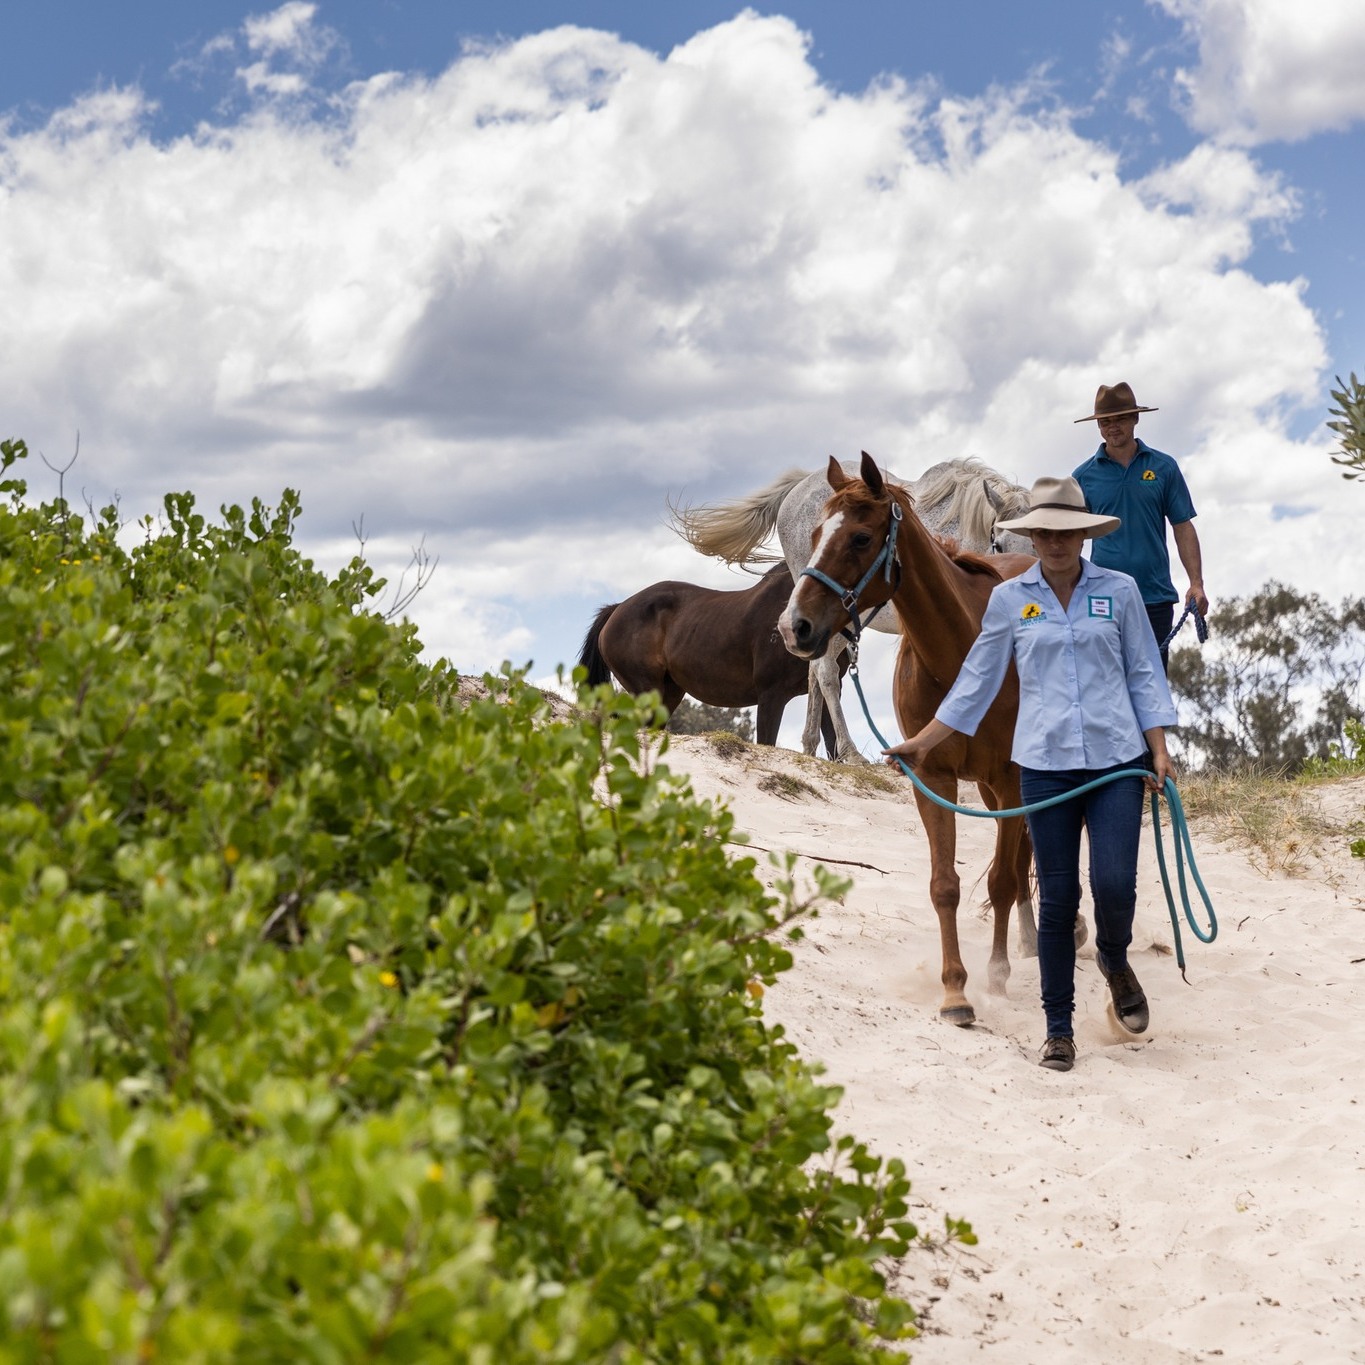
(810, 735)
(945, 891)
(825, 672)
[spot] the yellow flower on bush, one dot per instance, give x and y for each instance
(389, 979)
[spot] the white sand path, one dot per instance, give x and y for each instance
(1198, 1195)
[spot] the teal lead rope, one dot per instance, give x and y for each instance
(1184, 850)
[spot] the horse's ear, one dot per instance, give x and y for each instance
(837, 477)
(872, 476)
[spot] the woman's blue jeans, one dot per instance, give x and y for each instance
(1113, 815)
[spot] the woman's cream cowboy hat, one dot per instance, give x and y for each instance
(1059, 505)
(1114, 402)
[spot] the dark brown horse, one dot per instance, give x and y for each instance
(940, 595)
(720, 647)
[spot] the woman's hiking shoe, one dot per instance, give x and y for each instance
(1130, 1003)
(1058, 1054)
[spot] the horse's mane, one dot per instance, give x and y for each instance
(959, 483)
(969, 559)
(855, 495)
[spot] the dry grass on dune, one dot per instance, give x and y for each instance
(1284, 825)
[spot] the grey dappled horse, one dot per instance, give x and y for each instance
(958, 499)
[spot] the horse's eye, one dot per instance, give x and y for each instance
(860, 540)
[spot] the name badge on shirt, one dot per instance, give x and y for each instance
(1102, 608)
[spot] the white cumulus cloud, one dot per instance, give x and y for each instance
(1272, 70)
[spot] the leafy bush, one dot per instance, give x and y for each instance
(1346, 759)
(1350, 426)
(340, 1021)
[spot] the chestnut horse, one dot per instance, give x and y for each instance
(872, 544)
(721, 647)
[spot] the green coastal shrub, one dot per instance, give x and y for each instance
(341, 1021)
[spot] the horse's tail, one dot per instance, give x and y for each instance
(590, 656)
(731, 531)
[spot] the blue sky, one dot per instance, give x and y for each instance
(506, 290)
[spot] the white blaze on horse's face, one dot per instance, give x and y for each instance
(824, 532)
(823, 535)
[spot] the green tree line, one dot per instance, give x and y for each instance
(1282, 687)
(1277, 687)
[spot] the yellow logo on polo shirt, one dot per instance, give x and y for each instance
(1031, 612)
(1149, 476)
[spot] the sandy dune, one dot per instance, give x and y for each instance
(1198, 1195)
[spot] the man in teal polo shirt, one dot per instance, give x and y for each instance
(1145, 489)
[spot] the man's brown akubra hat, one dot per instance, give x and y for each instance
(1114, 402)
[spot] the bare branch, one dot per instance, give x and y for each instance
(61, 485)
(403, 597)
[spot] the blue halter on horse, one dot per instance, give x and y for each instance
(887, 561)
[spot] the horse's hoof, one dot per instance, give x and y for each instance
(1082, 931)
(964, 1016)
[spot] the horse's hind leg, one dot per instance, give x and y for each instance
(831, 739)
(768, 719)
(670, 694)
(1004, 887)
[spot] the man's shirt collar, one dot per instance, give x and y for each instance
(1142, 449)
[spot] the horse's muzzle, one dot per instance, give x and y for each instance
(802, 637)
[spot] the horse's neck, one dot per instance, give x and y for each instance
(939, 602)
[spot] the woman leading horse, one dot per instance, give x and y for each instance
(1093, 700)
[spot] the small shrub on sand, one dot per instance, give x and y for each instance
(786, 786)
(726, 745)
(874, 777)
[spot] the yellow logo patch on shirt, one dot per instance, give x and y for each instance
(1149, 476)
(1032, 612)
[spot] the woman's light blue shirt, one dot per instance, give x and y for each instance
(1090, 677)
